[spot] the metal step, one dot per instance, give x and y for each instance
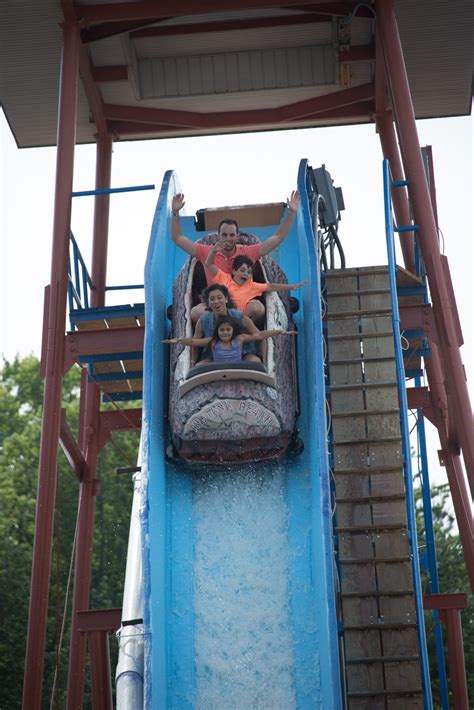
(369, 499)
(369, 469)
(375, 560)
(385, 693)
(380, 626)
(364, 413)
(334, 315)
(361, 360)
(361, 292)
(362, 386)
(382, 659)
(369, 440)
(368, 528)
(378, 593)
(361, 336)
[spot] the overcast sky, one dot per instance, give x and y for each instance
(214, 171)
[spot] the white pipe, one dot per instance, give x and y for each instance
(129, 673)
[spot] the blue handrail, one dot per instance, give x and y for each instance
(408, 475)
(80, 282)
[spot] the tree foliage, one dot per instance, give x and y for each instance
(21, 391)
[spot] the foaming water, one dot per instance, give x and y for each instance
(243, 642)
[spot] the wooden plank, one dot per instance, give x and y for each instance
(98, 324)
(352, 485)
(340, 283)
(108, 366)
(356, 545)
(382, 426)
(382, 398)
(373, 280)
(376, 703)
(344, 326)
(350, 457)
(359, 578)
(393, 543)
(388, 483)
(354, 513)
(351, 399)
(384, 371)
(342, 304)
(126, 322)
(376, 324)
(396, 609)
(345, 374)
(384, 454)
(392, 576)
(393, 511)
(410, 702)
(133, 365)
(400, 642)
(360, 610)
(362, 643)
(406, 278)
(374, 301)
(349, 427)
(115, 386)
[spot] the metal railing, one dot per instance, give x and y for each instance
(407, 468)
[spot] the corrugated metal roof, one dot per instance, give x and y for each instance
(436, 37)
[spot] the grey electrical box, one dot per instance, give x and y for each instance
(333, 200)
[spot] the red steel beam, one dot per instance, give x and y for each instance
(149, 9)
(96, 620)
(415, 317)
(91, 448)
(126, 128)
(428, 234)
(110, 73)
(123, 420)
(71, 448)
(47, 477)
(101, 682)
(222, 119)
(449, 606)
(102, 342)
(357, 53)
(230, 25)
(92, 92)
(111, 29)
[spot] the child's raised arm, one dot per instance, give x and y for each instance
(286, 287)
(209, 263)
(198, 342)
(263, 335)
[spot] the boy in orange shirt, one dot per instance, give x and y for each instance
(242, 288)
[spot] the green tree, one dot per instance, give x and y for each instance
(21, 390)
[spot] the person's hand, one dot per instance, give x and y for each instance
(294, 201)
(177, 203)
(217, 247)
(171, 341)
(290, 332)
(295, 287)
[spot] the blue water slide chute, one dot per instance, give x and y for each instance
(189, 656)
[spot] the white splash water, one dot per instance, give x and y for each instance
(243, 642)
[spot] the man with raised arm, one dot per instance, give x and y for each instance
(228, 234)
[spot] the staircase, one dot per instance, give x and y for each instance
(382, 654)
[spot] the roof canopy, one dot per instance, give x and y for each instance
(191, 67)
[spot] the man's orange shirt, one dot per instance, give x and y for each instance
(222, 262)
(240, 295)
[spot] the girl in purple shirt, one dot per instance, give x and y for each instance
(227, 340)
